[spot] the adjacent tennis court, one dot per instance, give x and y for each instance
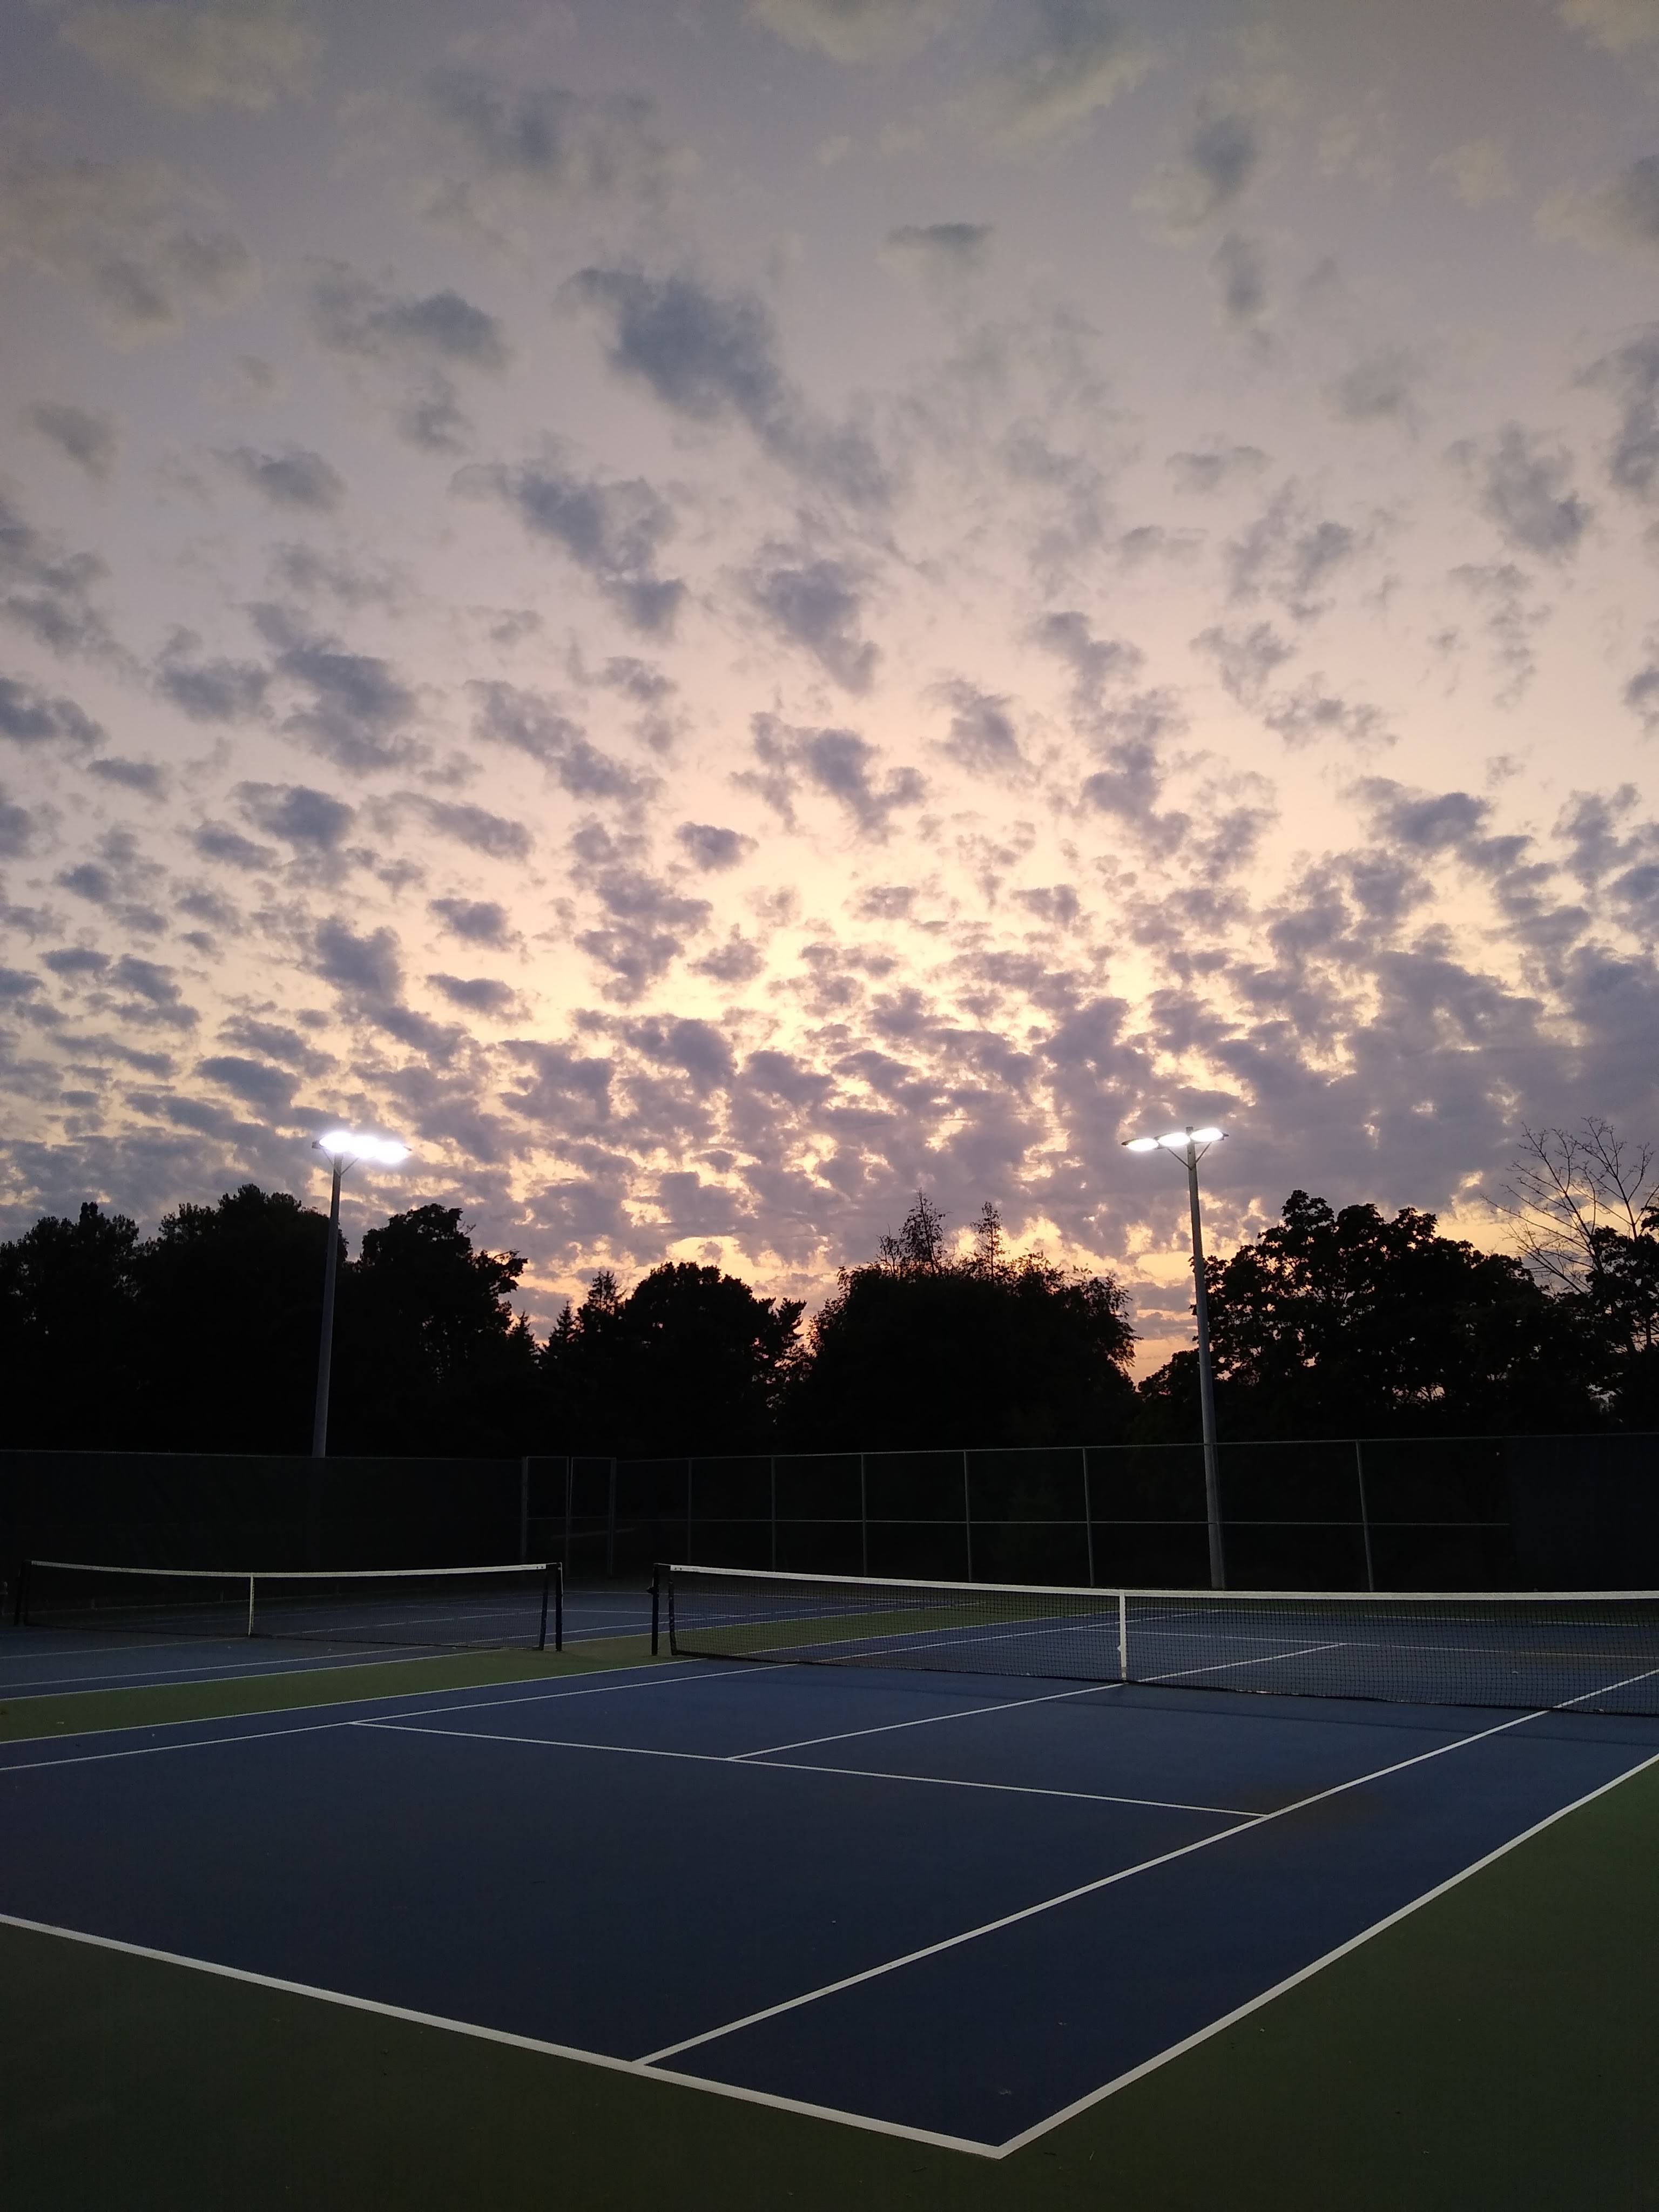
(959, 1908)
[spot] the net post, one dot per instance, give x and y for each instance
(250, 1604)
(558, 1604)
(20, 1618)
(1364, 1514)
(656, 1603)
(1123, 1635)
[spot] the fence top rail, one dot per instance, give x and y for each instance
(1117, 1590)
(296, 1574)
(1189, 1444)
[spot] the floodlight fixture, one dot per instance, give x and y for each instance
(348, 1146)
(1191, 1145)
(343, 1149)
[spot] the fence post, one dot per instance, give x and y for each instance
(774, 1465)
(611, 1521)
(967, 1516)
(1088, 1516)
(1364, 1514)
(863, 1521)
(569, 1483)
(688, 1507)
(524, 1509)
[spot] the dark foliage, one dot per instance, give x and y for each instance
(227, 1301)
(204, 1337)
(921, 1349)
(692, 1361)
(430, 1356)
(68, 1314)
(1346, 1324)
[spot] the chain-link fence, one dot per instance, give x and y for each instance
(1397, 1513)
(1401, 1513)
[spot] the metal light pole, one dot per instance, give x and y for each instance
(344, 1148)
(1187, 1143)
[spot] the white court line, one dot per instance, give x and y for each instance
(152, 1677)
(599, 2058)
(796, 1767)
(152, 1750)
(324, 1704)
(1225, 1666)
(653, 2070)
(1317, 1966)
(971, 1712)
(1069, 1896)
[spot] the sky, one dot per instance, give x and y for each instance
(714, 613)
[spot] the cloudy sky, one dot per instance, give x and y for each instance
(718, 610)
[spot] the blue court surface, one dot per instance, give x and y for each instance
(954, 1910)
(43, 1662)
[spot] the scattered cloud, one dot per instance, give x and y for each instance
(213, 53)
(816, 605)
(1630, 373)
(1379, 388)
(478, 994)
(615, 531)
(1512, 620)
(1215, 467)
(31, 717)
(1218, 160)
(418, 340)
(292, 478)
(711, 848)
(1624, 212)
(1239, 269)
(45, 590)
(479, 921)
(1620, 27)
(306, 819)
(982, 739)
(1078, 57)
(855, 30)
(532, 723)
(352, 706)
(713, 357)
(1291, 555)
(79, 434)
(211, 690)
(515, 149)
(1478, 172)
(839, 762)
(1523, 484)
(938, 251)
(134, 236)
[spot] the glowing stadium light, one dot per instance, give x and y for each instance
(1142, 1143)
(349, 1146)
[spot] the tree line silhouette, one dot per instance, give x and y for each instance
(203, 1337)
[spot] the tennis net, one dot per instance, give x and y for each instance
(1597, 1653)
(447, 1607)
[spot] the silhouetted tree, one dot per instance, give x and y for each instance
(67, 1318)
(691, 1361)
(228, 1301)
(1344, 1324)
(920, 1348)
(430, 1356)
(1585, 1214)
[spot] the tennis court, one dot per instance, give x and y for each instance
(961, 1910)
